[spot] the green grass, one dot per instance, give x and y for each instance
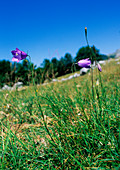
(61, 125)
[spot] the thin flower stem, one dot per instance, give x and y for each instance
(92, 83)
(87, 41)
(73, 68)
(32, 71)
(91, 61)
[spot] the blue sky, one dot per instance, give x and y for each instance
(51, 28)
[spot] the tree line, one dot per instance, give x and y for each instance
(11, 73)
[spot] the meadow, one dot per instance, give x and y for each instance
(63, 125)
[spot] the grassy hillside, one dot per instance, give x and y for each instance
(63, 125)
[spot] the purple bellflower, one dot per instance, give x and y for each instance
(99, 67)
(18, 55)
(84, 63)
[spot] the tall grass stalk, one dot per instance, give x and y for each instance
(38, 101)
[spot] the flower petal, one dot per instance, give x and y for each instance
(17, 49)
(15, 59)
(13, 52)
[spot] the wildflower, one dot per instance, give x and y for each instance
(18, 55)
(97, 82)
(84, 63)
(99, 67)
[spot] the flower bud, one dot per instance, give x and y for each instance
(99, 67)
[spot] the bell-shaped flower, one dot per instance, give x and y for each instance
(99, 67)
(18, 55)
(84, 63)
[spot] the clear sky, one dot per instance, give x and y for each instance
(51, 28)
